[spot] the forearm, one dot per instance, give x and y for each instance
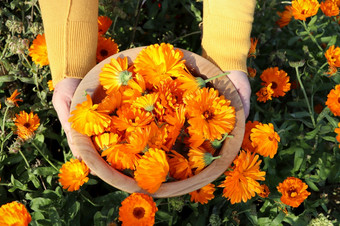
(226, 32)
(71, 32)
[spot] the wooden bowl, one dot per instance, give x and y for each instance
(198, 66)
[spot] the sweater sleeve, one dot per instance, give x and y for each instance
(227, 26)
(71, 32)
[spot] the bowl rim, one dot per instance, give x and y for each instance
(113, 177)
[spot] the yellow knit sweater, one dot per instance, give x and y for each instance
(71, 34)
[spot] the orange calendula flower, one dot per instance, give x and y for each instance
(159, 62)
(189, 83)
(199, 159)
(265, 93)
(14, 213)
(106, 47)
(329, 8)
(152, 170)
(158, 136)
(130, 118)
(146, 102)
(246, 143)
(302, 9)
(285, 16)
(26, 124)
(210, 114)
(104, 24)
(12, 101)
(252, 50)
(333, 100)
(265, 139)
(38, 51)
(115, 74)
(105, 140)
(175, 125)
(138, 209)
(179, 166)
(203, 195)
(264, 191)
(87, 120)
(278, 79)
(333, 56)
(110, 103)
(50, 85)
(293, 191)
(241, 182)
(337, 131)
(251, 72)
(73, 174)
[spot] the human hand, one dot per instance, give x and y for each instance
(62, 96)
(242, 85)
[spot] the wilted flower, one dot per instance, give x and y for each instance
(264, 191)
(12, 101)
(252, 50)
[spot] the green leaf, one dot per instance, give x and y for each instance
(329, 138)
(45, 171)
(310, 135)
(163, 216)
(54, 216)
(40, 204)
(278, 219)
(332, 121)
(298, 159)
(312, 185)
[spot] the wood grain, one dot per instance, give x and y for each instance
(199, 66)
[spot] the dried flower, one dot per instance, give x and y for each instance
(73, 174)
(294, 191)
(265, 93)
(12, 101)
(203, 195)
(251, 72)
(333, 100)
(302, 9)
(264, 191)
(14, 213)
(38, 51)
(138, 209)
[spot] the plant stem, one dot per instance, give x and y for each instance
(23, 156)
(88, 200)
(3, 123)
(186, 35)
(44, 156)
(215, 77)
(310, 35)
(305, 95)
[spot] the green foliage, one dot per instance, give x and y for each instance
(308, 149)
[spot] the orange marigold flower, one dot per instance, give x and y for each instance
(12, 101)
(159, 62)
(241, 182)
(38, 51)
(189, 83)
(333, 56)
(329, 8)
(251, 72)
(333, 100)
(203, 195)
(115, 74)
(146, 102)
(110, 103)
(264, 191)
(106, 47)
(130, 118)
(200, 158)
(104, 24)
(265, 93)
(138, 209)
(302, 9)
(26, 124)
(121, 157)
(73, 174)
(246, 143)
(14, 213)
(174, 125)
(87, 120)
(278, 79)
(294, 191)
(105, 140)
(158, 136)
(252, 50)
(285, 16)
(152, 170)
(50, 85)
(265, 139)
(210, 114)
(337, 131)
(179, 166)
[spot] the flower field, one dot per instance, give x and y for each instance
(286, 173)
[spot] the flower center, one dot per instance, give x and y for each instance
(104, 52)
(292, 193)
(274, 85)
(339, 100)
(139, 212)
(207, 114)
(27, 125)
